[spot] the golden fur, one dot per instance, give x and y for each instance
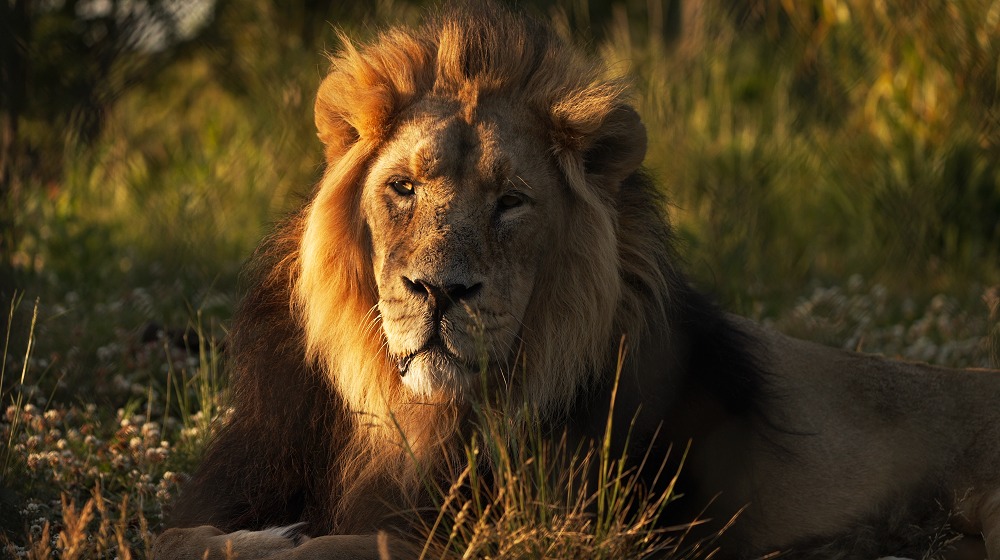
(335, 290)
(484, 230)
(579, 303)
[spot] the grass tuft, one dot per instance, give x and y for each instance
(522, 494)
(90, 532)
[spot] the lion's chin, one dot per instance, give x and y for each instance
(435, 372)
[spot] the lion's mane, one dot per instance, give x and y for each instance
(319, 406)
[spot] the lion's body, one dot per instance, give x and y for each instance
(868, 457)
(484, 228)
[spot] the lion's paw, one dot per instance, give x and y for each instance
(268, 540)
(211, 543)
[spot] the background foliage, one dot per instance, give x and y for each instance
(833, 167)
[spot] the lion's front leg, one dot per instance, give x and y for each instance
(279, 543)
(208, 543)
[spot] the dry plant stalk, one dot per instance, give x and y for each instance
(40, 549)
(72, 541)
(77, 541)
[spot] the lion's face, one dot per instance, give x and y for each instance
(462, 208)
(471, 198)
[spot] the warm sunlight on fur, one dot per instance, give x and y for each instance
(500, 81)
(484, 241)
(528, 83)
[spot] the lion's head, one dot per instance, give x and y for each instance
(468, 220)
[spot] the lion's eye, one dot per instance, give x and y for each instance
(403, 187)
(510, 200)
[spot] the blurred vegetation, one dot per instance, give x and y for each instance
(833, 167)
(798, 140)
(818, 139)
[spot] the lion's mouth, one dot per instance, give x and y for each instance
(434, 350)
(403, 363)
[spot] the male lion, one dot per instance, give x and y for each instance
(484, 219)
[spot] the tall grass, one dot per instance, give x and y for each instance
(543, 498)
(18, 398)
(820, 139)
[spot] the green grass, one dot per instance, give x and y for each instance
(832, 139)
(833, 169)
(117, 467)
(542, 501)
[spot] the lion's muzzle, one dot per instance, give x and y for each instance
(433, 317)
(441, 296)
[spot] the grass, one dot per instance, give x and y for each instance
(833, 168)
(85, 480)
(542, 500)
(538, 506)
(95, 480)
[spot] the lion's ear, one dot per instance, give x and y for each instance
(609, 142)
(355, 102)
(617, 149)
(333, 124)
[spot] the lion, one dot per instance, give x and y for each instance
(484, 227)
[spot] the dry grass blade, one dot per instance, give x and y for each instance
(544, 500)
(79, 539)
(41, 549)
(72, 542)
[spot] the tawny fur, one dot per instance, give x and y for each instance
(837, 455)
(578, 305)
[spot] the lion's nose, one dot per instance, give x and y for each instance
(442, 298)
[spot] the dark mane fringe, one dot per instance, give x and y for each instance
(267, 465)
(727, 361)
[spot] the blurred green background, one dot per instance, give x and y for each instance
(147, 145)
(833, 168)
